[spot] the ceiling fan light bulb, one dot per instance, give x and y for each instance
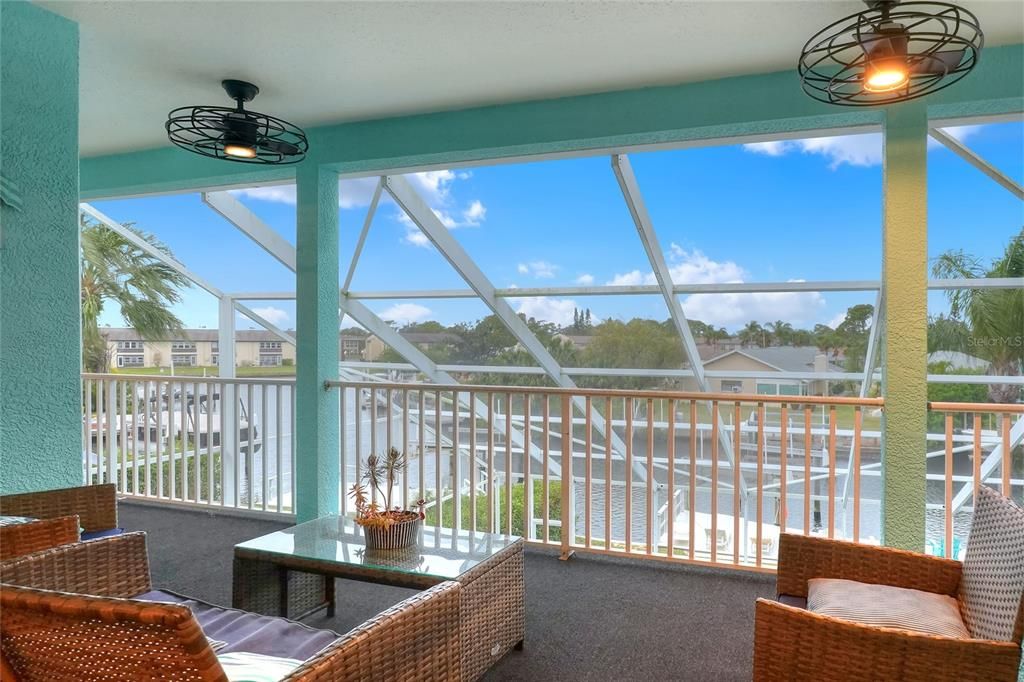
(240, 151)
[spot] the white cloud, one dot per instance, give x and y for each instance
(557, 310)
(272, 314)
(685, 267)
(586, 279)
(540, 269)
(837, 320)
(854, 150)
(735, 310)
(475, 213)
(404, 313)
(727, 309)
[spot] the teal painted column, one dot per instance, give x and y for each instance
(40, 327)
(905, 344)
(317, 465)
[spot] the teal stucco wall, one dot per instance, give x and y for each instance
(40, 418)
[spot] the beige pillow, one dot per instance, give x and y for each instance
(886, 606)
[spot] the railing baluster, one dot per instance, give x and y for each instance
(343, 431)
(110, 413)
(490, 462)
(405, 447)
(456, 466)
(529, 531)
(568, 534)
(714, 481)
(948, 487)
(134, 436)
(807, 470)
(627, 408)
(86, 431)
(373, 435)
(291, 454)
(159, 439)
(976, 463)
(694, 435)
(759, 532)
(650, 475)
(588, 471)
(122, 432)
(264, 447)
(858, 424)
(738, 515)
(609, 430)
(508, 462)
(472, 461)
(546, 502)
(212, 472)
(832, 471)
(671, 453)
(250, 454)
(196, 468)
(359, 436)
(422, 420)
(783, 461)
(1005, 488)
(145, 436)
(438, 492)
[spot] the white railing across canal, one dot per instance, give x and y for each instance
(191, 440)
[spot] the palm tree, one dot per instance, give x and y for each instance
(753, 335)
(116, 270)
(995, 316)
(782, 332)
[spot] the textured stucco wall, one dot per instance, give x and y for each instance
(316, 278)
(905, 342)
(40, 419)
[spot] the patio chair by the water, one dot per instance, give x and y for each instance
(840, 614)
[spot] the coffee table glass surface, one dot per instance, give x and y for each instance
(441, 553)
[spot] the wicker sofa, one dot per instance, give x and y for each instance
(794, 643)
(27, 538)
(95, 506)
(74, 613)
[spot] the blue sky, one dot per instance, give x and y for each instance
(798, 210)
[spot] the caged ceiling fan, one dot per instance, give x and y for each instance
(237, 134)
(891, 52)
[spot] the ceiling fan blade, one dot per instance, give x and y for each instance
(278, 146)
(939, 62)
(876, 45)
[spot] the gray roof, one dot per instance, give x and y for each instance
(958, 360)
(431, 337)
(124, 334)
(786, 358)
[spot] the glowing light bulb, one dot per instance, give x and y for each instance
(885, 77)
(240, 151)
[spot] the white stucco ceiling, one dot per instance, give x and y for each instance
(320, 62)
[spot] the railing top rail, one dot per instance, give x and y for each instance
(190, 378)
(616, 393)
(986, 408)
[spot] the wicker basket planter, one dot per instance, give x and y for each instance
(404, 533)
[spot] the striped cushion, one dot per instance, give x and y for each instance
(993, 575)
(886, 606)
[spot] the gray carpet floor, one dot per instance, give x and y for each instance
(589, 618)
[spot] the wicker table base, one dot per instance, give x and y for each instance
(492, 608)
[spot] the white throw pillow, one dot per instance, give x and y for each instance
(241, 666)
(886, 606)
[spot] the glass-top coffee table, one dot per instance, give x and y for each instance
(290, 573)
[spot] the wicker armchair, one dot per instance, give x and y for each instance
(65, 614)
(95, 505)
(26, 538)
(792, 643)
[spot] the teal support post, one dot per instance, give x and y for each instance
(40, 337)
(317, 462)
(905, 344)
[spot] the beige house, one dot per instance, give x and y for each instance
(195, 347)
(781, 359)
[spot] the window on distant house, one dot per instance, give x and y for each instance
(183, 360)
(270, 346)
(183, 345)
(730, 386)
(270, 360)
(129, 345)
(130, 360)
